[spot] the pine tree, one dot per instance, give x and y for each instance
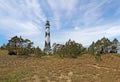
(71, 49)
(19, 46)
(114, 46)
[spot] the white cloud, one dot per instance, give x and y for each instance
(23, 18)
(26, 29)
(27, 17)
(87, 35)
(62, 9)
(90, 12)
(22, 10)
(62, 5)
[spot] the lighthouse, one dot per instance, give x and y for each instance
(47, 38)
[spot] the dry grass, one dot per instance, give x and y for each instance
(54, 69)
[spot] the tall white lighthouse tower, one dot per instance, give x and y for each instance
(47, 38)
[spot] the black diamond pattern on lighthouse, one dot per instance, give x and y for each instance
(47, 37)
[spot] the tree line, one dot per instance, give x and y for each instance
(71, 49)
(19, 46)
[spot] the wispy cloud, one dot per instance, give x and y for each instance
(81, 20)
(90, 12)
(62, 9)
(22, 18)
(87, 35)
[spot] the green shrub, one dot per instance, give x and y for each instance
(38, 52)
(70, 50)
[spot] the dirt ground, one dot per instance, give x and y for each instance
(54, 69)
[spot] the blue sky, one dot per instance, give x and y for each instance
(81, 20)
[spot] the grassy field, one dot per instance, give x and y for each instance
(54, 69)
